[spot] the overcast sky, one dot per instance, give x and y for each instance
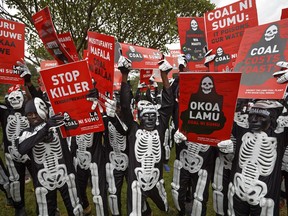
(268, 10)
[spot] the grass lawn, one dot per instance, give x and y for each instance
(31, 207)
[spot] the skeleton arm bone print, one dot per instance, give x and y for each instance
(27, 140)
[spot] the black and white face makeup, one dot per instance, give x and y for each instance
(148, 120)
(259, 122)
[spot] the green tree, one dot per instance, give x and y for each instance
(148, 23)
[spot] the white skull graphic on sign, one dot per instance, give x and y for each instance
(194, 25)
(207, 85)
(271, 32)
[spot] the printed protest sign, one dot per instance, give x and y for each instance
(44, 25)
(45, 64)
(117, 80)
(141, 57)
(12, 38)
(101, 62)
(224, 30)
(206, 105)
(67, 86)
(145, 74)
(68, 43)
(48, 64)
(257, 60)
(192, 40)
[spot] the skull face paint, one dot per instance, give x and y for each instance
(16, 99)
(271, 32)
(148, 120)
(258, 123)
(207, 85)
(147, 114)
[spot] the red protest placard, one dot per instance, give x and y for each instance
(44, 25)
(206, 108)
(48, 64)
(141, 57)
(117, 80)
(224, 30)
(192, 40)
(67, 86)
(68, 43)
(12, 38)
(145, 74)
(101, 62)
(284, 14)
(257, 60)
(45, 64)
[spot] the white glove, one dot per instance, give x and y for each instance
(141, 85)
(24, 71)
(182, 60)
(226, 146)
(152, 78)
(282, 75)
(179, 137)
(124, 63)
(164, 66)
(208, 57)
(110, 107)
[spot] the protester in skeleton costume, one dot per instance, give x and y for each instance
(53, 168)
(256, 170)
(13, 121)
(89, 158)
(194, 162)
(88, 152)
(145, 175)
(116, 153)
(282, 77)
(223, 163)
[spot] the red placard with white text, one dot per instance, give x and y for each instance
(101, 62)
(12, 40)
(206, 105)
(257, 58)
(67, 86)
(48, 64)
(224, 30)
(45, 64)
(44, 25)
(145, 75)
(192, 40)
(68, 43)
(117, 80)
(141, 57)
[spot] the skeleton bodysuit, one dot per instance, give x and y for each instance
(255, 171)
(117, 161)
(89, 161)
(13, 122)
(49, 153)
(193, 162)
(145, 156)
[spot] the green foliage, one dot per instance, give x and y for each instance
(149, 23)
